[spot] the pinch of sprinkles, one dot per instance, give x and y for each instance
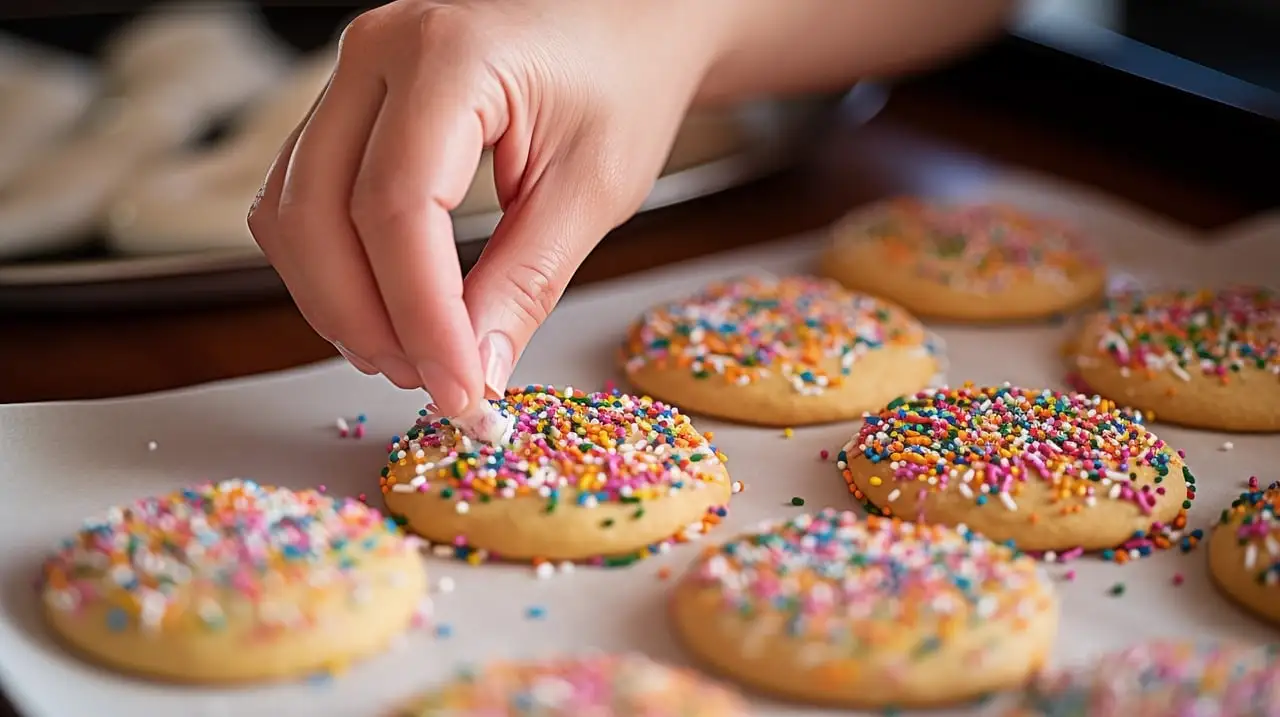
(977, 247)
(817, 568)
(569, 449)
(985, 442)
(807, 330)
(235, 535)
(1211, 334)
(1258, 515)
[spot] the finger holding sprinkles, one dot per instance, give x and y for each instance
(234, 582)
(1047, 471)
(625, 685)
(974, 261)
(1244, 552)
(603, 478)
(789, 351)
(1206, 358)
(828, 608)
(1161, 679)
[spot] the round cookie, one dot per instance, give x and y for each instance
(1207, 359)
(785, 351)
(583, 477)
(966, 262)
(234, 582)
(1244, 552)
(1048, 471)
(1161, 679)
(628, 685)
(833, 610)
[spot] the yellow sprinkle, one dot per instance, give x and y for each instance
(787, 432)
(875, 480)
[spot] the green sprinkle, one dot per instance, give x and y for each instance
(797, 501)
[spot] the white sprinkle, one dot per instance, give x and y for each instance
(152, 445)
(566, 567)
(403, 488)
(545, 571)
(893, 495)
(1008, 501)
(445, 585)
(343, 427)
(1226, 446)
(462, 507)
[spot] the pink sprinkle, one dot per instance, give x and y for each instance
(322, 488)
(823, 454)
(359, 432)
(1253, 482)
(1069, 575)
(1177, 578)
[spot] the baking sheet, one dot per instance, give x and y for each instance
(62, 462)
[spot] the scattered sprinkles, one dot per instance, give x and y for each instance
(988, 443)
(1256, 516)
(345, 428)
(807, 330)
(1212, 334)
(569, 450)
(844, 580)
(1165, 679)
(979, 247)
(175, 561)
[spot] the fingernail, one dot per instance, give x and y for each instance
(445, 390)
(496, 355)
(398, 370)
(360, 364)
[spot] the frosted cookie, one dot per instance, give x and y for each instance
(1208, 359)
(779, 351)
(1244, 552)
(971, 262)
(1161, 679)
(1049, 471)
(233, 582)
(594, 477)
(605, 685)
(830, 609)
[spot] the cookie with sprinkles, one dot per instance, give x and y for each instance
(966, 262)
(1244, 552)
(596, 477)
(1206, 359)
(832, 609)
(234, 582)
(1161, 679)
(784, 351)
(626, 685)
(1049, 471)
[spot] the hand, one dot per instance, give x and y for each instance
(580, 100)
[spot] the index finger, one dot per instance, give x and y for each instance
(419, 162)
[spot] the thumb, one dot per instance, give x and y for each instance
(526, 266)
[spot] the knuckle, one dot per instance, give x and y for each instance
(537, 285)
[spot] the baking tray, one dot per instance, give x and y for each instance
(65, 461)
(776, 133)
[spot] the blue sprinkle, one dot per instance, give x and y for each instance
(117, 620)
(444, 631)
(536, 612)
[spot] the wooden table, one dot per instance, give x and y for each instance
(1009, 106)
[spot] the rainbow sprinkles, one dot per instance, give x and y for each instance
(577, 470)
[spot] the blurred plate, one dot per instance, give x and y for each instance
(775, 133)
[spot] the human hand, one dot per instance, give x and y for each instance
(580, 100)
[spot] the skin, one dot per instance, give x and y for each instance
(580, 101)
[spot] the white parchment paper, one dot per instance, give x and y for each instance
(62, 462)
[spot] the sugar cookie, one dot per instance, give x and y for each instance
(779, 351)
(1244, 552)
(1208, 359)
(628, 685)
(596, 477)
(233, 582)
(1161, 679)
(1049, 471)
(45, 93)
(831, 609)
(197, 200)
(971, 262)
(173, 73)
